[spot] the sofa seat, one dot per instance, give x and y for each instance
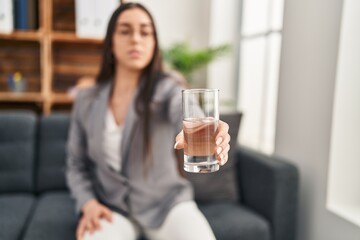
(15, 211)
(233, 221)
(53, 218)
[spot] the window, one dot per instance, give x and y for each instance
(343, 195)
(260, 44)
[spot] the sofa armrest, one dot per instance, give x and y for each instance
(269, 186)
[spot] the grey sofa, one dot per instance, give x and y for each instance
(35, 203)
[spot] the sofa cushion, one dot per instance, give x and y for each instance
(54, 218)
(53, 132)
(232, 221)
(220, 185)
(15, 211)
(17, 139)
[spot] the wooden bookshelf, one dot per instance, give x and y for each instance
(51, 58)
(72, 38)
(20, 97)
(23, 35)
(61, 98)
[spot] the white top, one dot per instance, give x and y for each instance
(112, 141)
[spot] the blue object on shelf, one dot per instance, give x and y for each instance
(16, 82)
(21, 14)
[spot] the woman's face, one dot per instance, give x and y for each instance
(133, 40)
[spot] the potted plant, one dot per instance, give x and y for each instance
(184, 60)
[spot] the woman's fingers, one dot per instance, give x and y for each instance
(222, 144)
(222, 140)
(225, 139)
(80, 230)
(179, 144)
(222, 150)
(223, 127)
(89, 225)
(90, 221)
(96, 223)
(222, 135)
(107, 214)
(222, 153)
(225, 159)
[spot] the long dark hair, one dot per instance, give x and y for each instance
(149, 76)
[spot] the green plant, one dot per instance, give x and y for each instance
(186, 61)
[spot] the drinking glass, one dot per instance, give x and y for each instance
(200, 123)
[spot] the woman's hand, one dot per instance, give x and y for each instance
(222, 139)
(93, 211)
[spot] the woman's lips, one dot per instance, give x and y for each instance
(134, 53)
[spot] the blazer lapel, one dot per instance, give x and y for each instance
(97, 119)
(130, 122)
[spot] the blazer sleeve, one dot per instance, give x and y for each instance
(77, 163)
(175, 107)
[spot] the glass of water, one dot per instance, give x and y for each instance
(200, 123)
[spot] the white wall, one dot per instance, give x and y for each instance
(179, 21)
(184, 20)
(305, 103)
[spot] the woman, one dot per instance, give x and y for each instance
(121, 168)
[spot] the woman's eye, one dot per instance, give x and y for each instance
(145, 33)
(123, 32)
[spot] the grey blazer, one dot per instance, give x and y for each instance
(145, 199)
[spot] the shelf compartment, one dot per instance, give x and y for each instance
(23, 57)
(63, 18)
(72, 61)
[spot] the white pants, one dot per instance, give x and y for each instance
(184, 222)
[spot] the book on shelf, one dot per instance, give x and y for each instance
(83, 14)
(32, 16)
(6, 16)
(92, 17)
(25, 14)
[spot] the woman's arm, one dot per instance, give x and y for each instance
(77, 164)
(175, 107)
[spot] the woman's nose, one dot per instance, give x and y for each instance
(136, 37)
